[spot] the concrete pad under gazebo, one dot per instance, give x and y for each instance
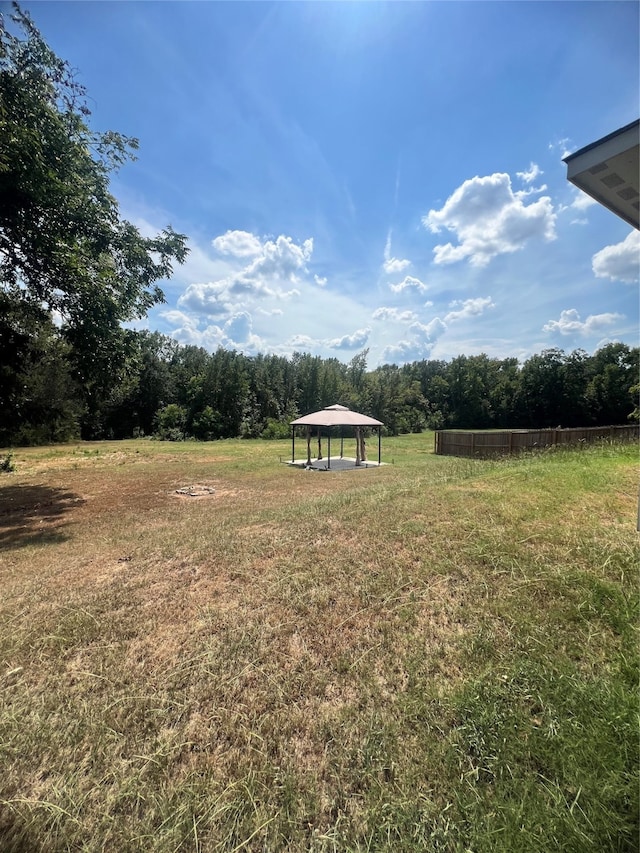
(329, 417)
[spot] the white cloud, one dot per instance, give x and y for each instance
(429, 332)
(570, 323)
(385, 313)
(185, 328)
(408, 282)
(320, 280)
(238, 327)
(468, 308)
(396, 265)
(302, 342)
(274, 312)
(274, 263)
(406, 351)
(564, 146)
(391, 265)
(281, 258)
(417, 348)
(236, 333)
(582, 201)
(489, 219)
(211, 299)
(530, 176)
(179, 318)
(240, 244)
(520, 194)
(355, 341)
(620, 262)
(424, 336)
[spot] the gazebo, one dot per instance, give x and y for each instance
(335, 416)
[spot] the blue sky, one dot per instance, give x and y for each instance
(381, 175)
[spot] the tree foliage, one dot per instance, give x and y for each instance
(64, 248)
(177, 392)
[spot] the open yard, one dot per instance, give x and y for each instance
(436, 655)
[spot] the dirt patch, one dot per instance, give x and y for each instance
(195, 491)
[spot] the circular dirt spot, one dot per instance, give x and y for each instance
(197, 491)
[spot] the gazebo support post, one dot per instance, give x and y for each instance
(319, 445)
(293, 444)
(308, 445)
(379, 444)
(329, 450)
(341, 442)
(357, 447)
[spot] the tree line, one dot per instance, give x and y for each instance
(174, 392)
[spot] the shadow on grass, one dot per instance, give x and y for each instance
(14, 840)
(32, 515)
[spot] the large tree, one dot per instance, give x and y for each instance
(63, 244)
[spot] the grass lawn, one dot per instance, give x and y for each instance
(436, 655)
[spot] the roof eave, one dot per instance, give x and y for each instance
(607, 170)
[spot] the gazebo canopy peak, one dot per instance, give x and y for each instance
(336, 415)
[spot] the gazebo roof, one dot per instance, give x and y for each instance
(336, 416)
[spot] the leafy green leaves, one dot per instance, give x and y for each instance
(63, 245)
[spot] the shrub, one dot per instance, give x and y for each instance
(170, 423)
(276, 429)
(6, 464)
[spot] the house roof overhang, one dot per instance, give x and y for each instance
(607, 170)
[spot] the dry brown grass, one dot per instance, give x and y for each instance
(265, 667)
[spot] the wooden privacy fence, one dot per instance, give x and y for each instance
(484, 443)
